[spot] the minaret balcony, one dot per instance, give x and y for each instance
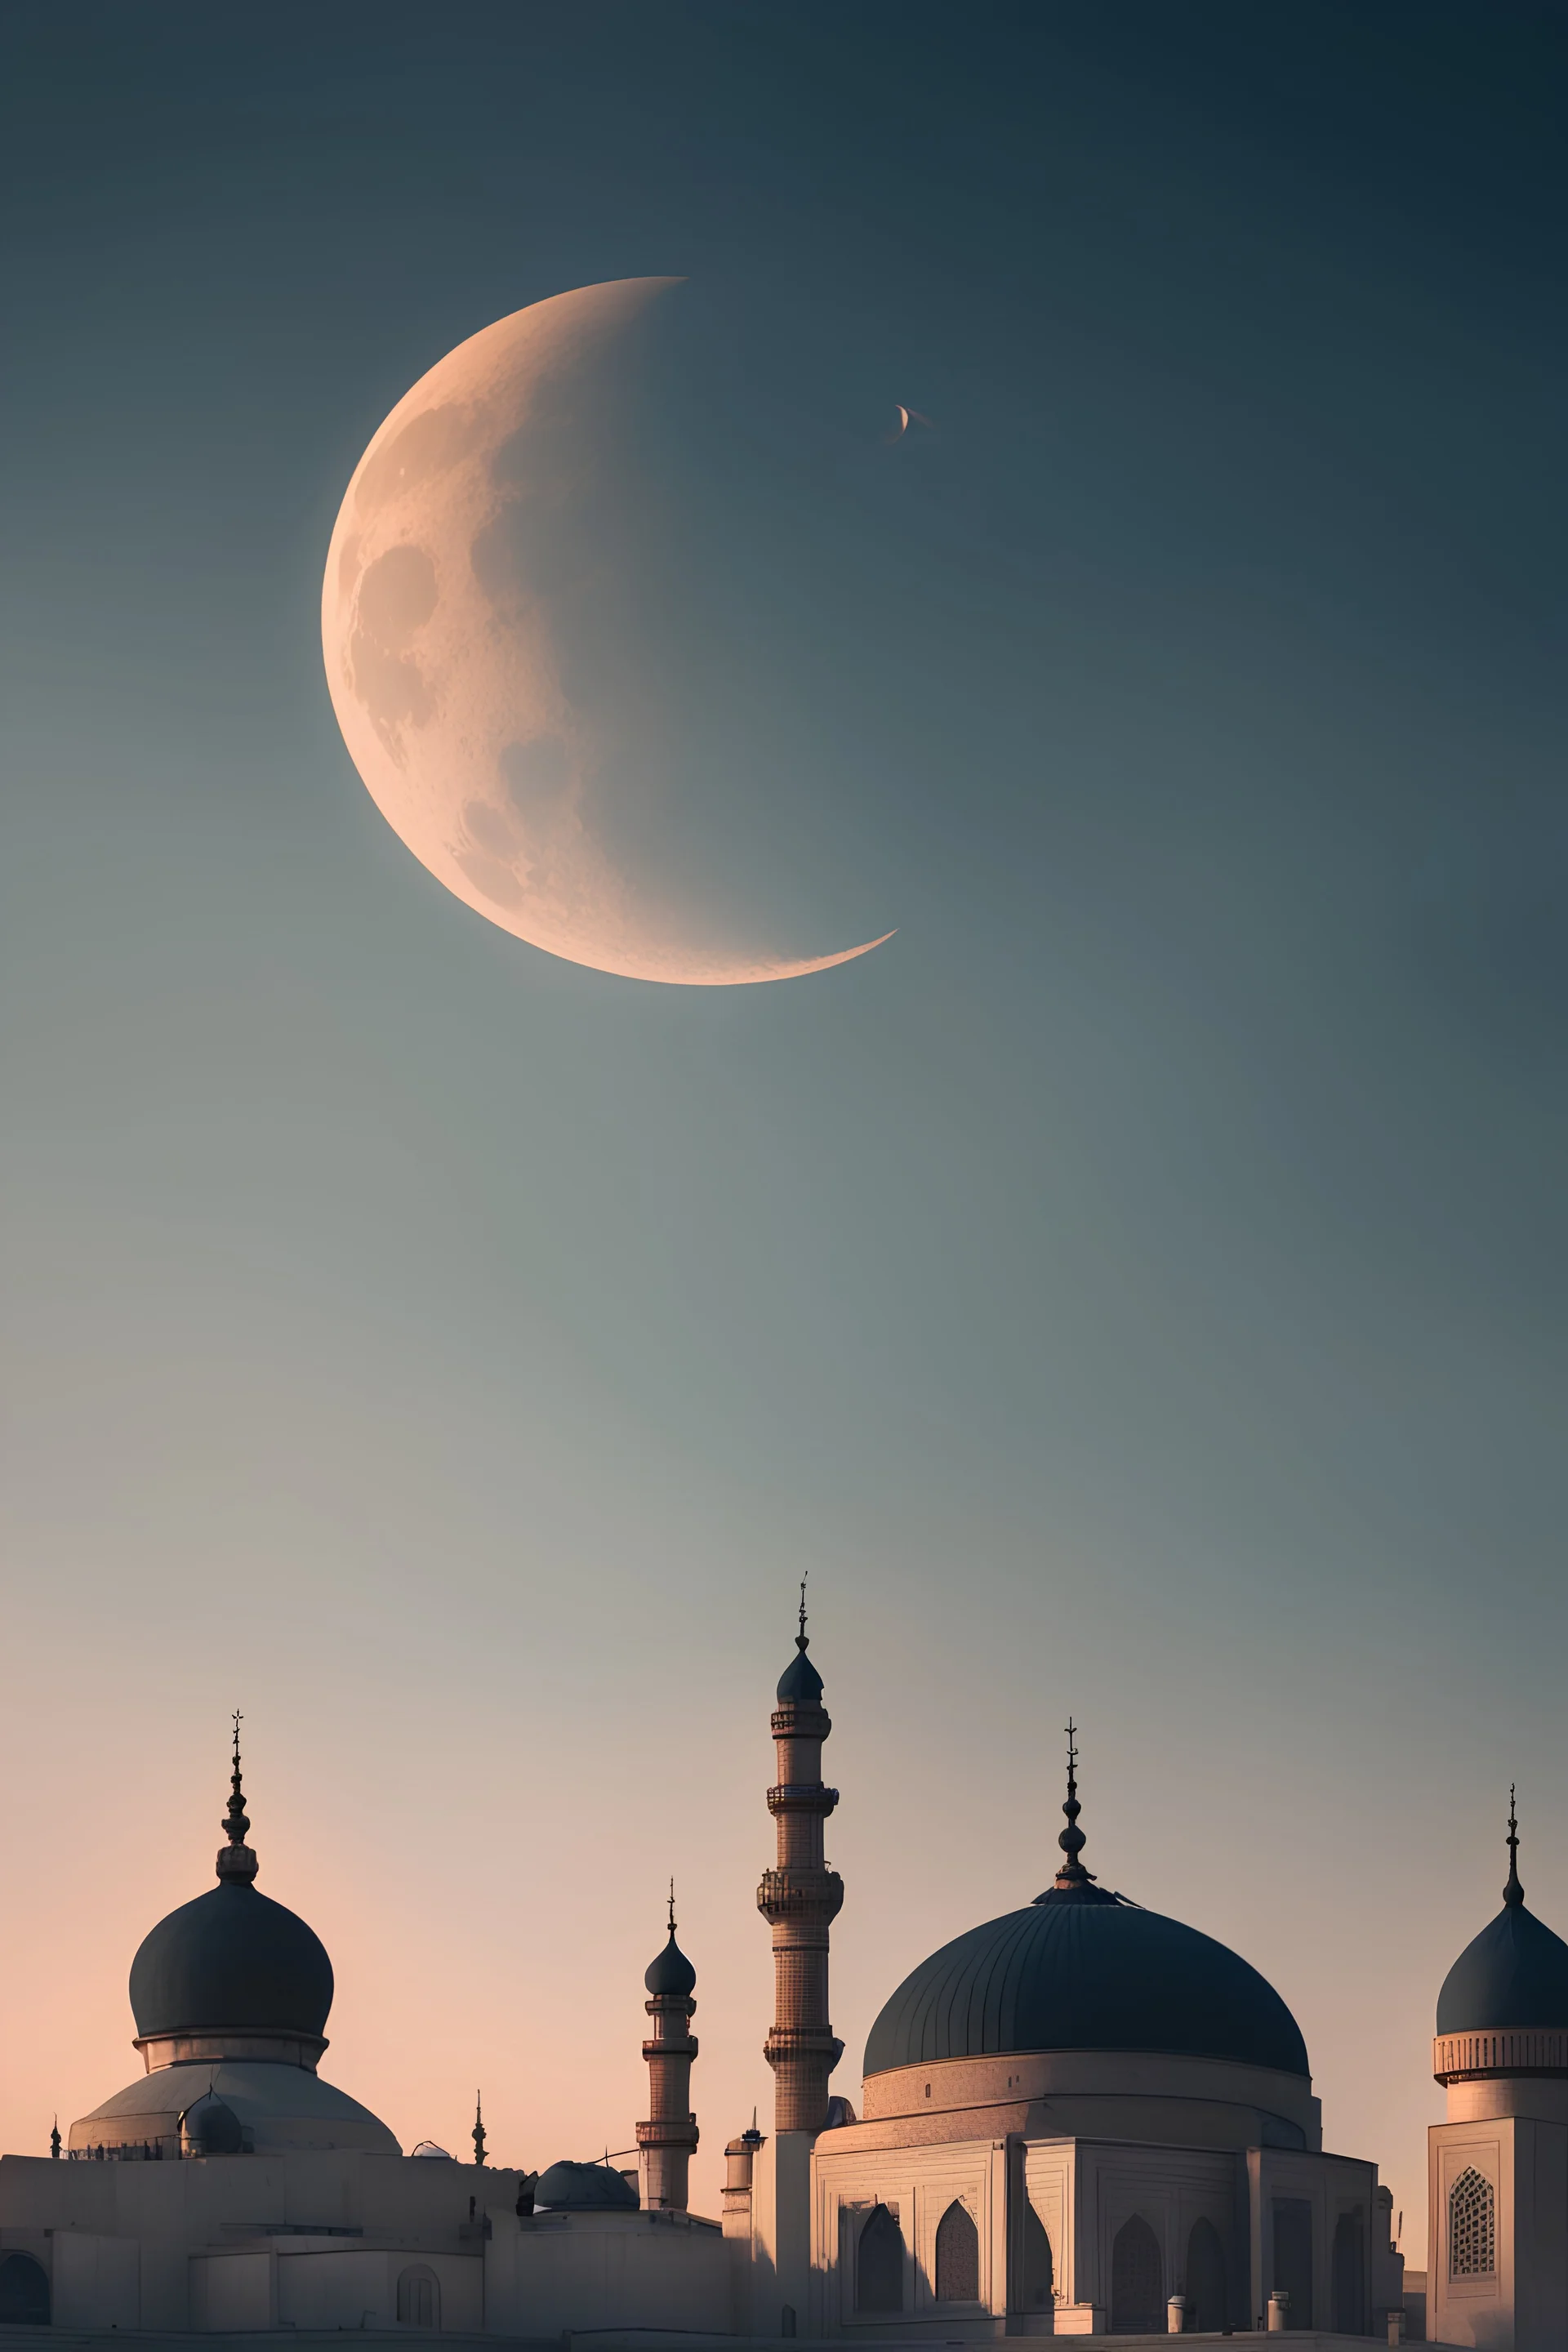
(685, 2048)
(800, 1719)
(1502, 2051)
(668, 2131)
(803, 1894)
(787, 2043)
(802, 1796)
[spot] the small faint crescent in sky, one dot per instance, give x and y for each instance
(907, 416)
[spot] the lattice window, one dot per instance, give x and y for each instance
(957, 2255)
(1137, 2294)
(1472, 2226)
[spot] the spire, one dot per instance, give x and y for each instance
(671, 1972)
(478, 2130)
(1513, 1893)
(1072, 1840)
(801, 1642)
(235, 1859)
(54, 2140)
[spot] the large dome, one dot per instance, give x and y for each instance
(234, 1961)
(1081, 1969)
(1513, 1974)
(1095, 1974)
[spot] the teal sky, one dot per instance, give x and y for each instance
(1137, 1289)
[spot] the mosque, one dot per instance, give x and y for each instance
(1078, 2119)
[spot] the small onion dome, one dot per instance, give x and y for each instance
(671, 1972)
(800, 1683)
(429, 2153)
(1514, 1974)
(209, 2126)
(569, 2187)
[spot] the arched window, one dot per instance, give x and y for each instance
(879, 2263)
(1036, 2287)
(1472, 2226)
(24, 2292)
(419, 2298)
(957, 2255)
(1349, 2276)
(1209, 2301)
(1137, 2287)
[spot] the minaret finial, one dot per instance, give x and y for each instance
(800, 1641)
(54, 2140)
(478, 2131)
(235, 1859)
(1513, 1893)
(1072, 1840)
(672, 1906)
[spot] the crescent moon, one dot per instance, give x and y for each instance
(462, 576)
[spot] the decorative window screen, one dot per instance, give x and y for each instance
(1137, 2293)
(957, 2255)
(1472, 2226)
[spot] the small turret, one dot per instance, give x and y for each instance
(739, 2165)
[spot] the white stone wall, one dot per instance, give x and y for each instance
(917, 2184)
(1521, 2305)
(555, 2274)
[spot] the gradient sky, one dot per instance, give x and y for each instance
(1137, 1289)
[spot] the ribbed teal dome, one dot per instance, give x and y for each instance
(1086, 1972)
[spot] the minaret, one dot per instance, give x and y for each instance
(800, 1900)
(665, 2141)
(477, 2134)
